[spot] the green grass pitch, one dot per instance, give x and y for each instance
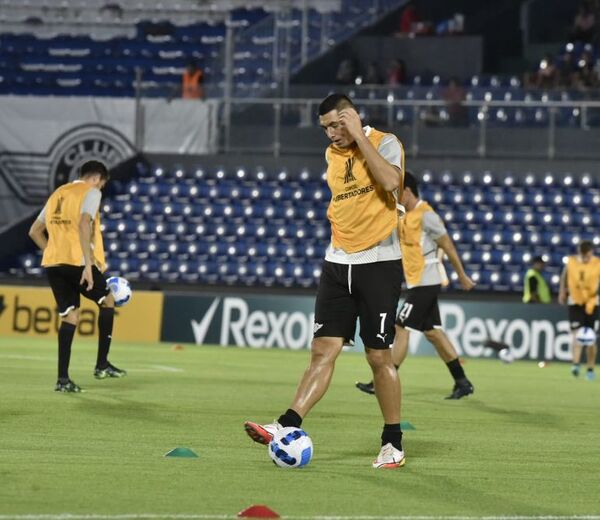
(526, 443)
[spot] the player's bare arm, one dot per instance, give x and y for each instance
(562, 288)
(85, 238)
(445, 242)
(386, 174)
(38, 235)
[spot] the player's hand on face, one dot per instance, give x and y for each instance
(466, 283)
(87, 278)
(350, 120)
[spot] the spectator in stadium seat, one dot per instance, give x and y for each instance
(454, 96)
(545, 76)
(586, 76)
(584, 24)
(579, 290)
(396, 74)
(422, 237)
(73, 255)
(373, 76)
(346, 72)
(408, 18)
(362, 271)
(191, 82)
(566, 70)
(535, 287)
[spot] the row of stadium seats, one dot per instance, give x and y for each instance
(219, 176)
(570, 116)
(472, 93)
(44, 66)
(116, 19)
(200, 210)
(190, 248)
(231, 226)
(304, 272)
(299, 232)
(35, 65)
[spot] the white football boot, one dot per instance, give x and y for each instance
(389, 457)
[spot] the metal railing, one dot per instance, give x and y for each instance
(423, 120)
(291, 40)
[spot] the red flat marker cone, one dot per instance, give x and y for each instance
(258, 511)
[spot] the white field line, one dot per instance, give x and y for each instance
(151, 368)
(27, 358)
(166, 368)
(168, 516)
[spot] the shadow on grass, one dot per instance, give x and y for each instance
(534, 417)
(430, 394)
(416, 449)
(118, 407)
(455, 492)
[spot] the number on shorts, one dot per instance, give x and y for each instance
(382, 326)
(405, 311)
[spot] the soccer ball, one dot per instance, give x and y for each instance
(120, 289)
(585, 336)
(291, 448)
(506, 355)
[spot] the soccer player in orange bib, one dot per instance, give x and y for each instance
(74, 261)
(422, 237)
(362, 271)
(579, 289)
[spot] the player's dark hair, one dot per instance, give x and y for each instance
(585, 246)
(94, 168)
(411, 183)
(335, 101)
(537, 260)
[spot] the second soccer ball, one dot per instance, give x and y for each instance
(585, 336)
(120, 289)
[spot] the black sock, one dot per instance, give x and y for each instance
(290, 418)
(65, 340)
(392, 433)
(105, 327)
(456, 369)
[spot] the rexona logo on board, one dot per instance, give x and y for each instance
(532, 331)
(268, 322)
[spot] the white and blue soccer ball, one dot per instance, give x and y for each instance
(120, 289)
(585, 336)
(291, 448)
(506, 355)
